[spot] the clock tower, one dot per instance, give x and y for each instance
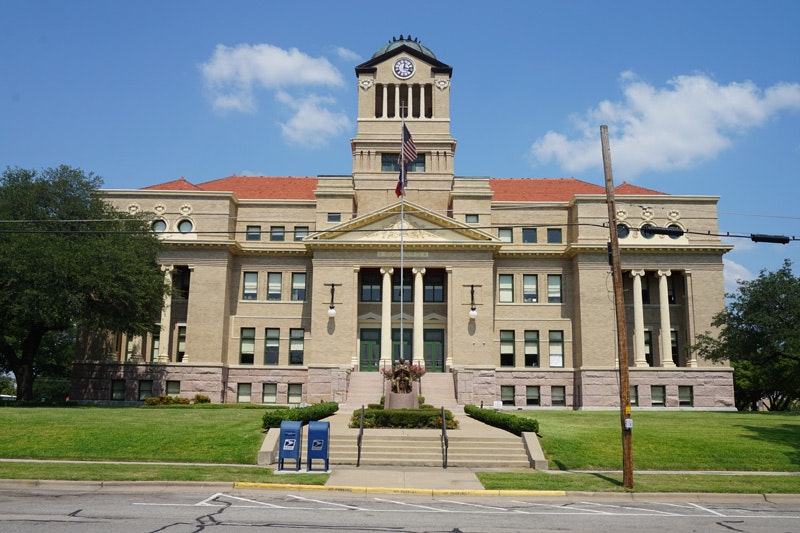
(403, 79)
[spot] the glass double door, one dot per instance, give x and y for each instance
(433, 348)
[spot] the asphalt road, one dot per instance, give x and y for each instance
(195, 508)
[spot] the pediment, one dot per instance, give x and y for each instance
(415, 226)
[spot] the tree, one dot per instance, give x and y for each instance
(759, 335)
(69, 260)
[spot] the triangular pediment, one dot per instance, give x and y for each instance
(408, 223)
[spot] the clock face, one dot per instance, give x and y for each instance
(403, 68)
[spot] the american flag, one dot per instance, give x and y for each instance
(408, 155)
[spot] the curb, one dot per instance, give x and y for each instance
(391, 490)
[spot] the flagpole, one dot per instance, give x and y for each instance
(402, 221)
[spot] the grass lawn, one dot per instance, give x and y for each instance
(672, 440)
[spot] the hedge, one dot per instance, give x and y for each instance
(273, 418)
(425, 418)
(515, 424)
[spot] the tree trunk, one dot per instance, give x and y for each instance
(23, 370)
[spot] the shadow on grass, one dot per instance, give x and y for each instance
(785, 434)
(599, 475)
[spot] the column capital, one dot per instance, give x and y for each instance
(665, 272)
(387, 270)
(418, 270)
(637, 273)
(167, 269)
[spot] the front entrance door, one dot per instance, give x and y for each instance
(433, 345)
(407, 345)
(370, 350)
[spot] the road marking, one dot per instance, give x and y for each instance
(414, 505)
(354, 507)
(706, 509)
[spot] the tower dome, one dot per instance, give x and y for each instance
(396, 42)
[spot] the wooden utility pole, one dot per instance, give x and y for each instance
(626, 421)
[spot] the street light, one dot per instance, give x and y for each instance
(332, 308)
(473, 313)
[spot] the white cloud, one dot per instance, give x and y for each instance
(233, 73)
(733, 273)
(690, 120)
(312, 124)
(346, 54)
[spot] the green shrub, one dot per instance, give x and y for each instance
(428, 418)
(201, 398)
(163, 399)
(274, 417)
(515, 424)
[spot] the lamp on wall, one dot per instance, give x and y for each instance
(473, 313)
(332, 308)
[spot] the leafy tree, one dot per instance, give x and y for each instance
(7, 385)
(759, 334)
(69, 260)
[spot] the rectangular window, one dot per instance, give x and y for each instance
(118, 390)
(685, 396)
(243, 391)
(334, 217)
(155, 346)
(247, 346)
(472, 219)
(648, 347)
(505, 234)
(295, 393)
(408, 277)
(277, 233)
(530, 288)
(300, 233)
(531, 348)
(558, 396)
(296, 336)
(173, 388)
(554, 290)
(645, 289)
(634, 395)
(507, 394)
(181, 343)
(250, 286)
(556, 349)
(269, 393)
(671, 290)
(529, 235)
(676, 354)
(554, 236)
(274, 286)
(299, 286)
(272, 339)
(506, 288)
(506, 347)
(658, 396)
(253, 233)
(532, 395)
(370, 286)
(433, 286)
(390, 163)
(145, 389)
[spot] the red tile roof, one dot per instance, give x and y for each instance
(552, 189)
(250, 187)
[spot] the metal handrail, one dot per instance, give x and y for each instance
(445, 440)
(360, 436)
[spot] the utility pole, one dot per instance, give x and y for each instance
(626, 421)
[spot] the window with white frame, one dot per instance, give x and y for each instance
(298, 286)
(505, 289)
(243, 392)
(272, 337)
(250, 286)
(530, 288)
(247, 346)
(506, 347)
(296, 341)
(554, 289)
(274, 286)
(531, 348)
(269, 393)
(556, 339)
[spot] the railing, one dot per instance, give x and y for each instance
(445, 440)
(360, 437)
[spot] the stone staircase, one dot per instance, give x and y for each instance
(474, 445)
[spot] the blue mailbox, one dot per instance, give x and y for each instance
(318, 439)
(291, 441)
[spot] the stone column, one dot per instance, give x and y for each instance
(638, 319)
(386, 318)
(422, 100)
(166, 317)
(663, 304)
(385, 91)
(690, 335)
(418, 348)
(396, 100)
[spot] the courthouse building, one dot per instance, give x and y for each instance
(286, 287)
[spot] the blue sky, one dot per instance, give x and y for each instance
(701, 97)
